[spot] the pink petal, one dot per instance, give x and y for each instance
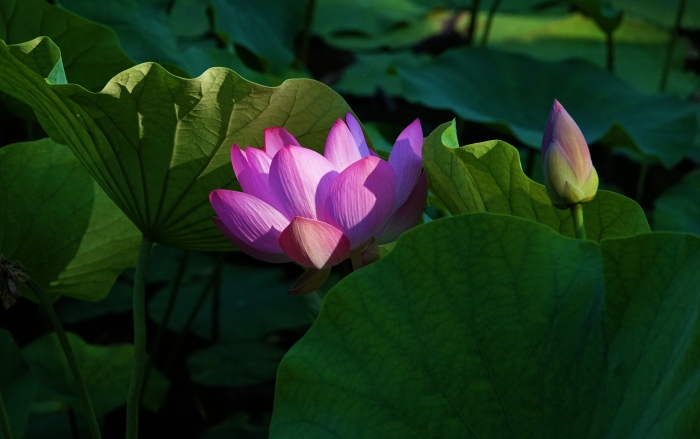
(252, 173)
(314, 243)
(252, 221)
(247, 248)
(300, 179)
(341, 149)
(406, 159)
(361, 199)
(408, 215)
(357, 134)
(277, 138)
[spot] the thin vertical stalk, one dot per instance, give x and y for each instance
(83, 393)
(167, 314)
(577, 215)
(671, 46)
(303, 51)
(213, 279)
(140, 355)
(489, 21)
(641, 181)
(472, 22)
(4, 420)
(609, 52)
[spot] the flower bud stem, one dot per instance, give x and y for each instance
(70, 357)
(140, 355)
(577, 215)
(4, 420)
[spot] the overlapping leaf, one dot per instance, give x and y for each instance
(59, 223)
(487, 177)
(485, 325)
(159, 144)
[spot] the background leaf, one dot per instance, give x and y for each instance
(59, 223)
(488, 177)
(17, 384)
(678, 208)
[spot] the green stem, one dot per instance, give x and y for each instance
(577, 215)
(668, 59)
(472, 22)
(610, 52)
(169, 307)
(489, 21)
(213, 279)
(4, 420)
(641, 181)
(303, 51)
(140, 355)
(70, 357)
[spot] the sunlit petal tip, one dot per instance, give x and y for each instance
(406, 159)
(408, 215)
(341, 149)
(277, 138)
(239, 161)
(253, 222)
(361, 199)
(314, 244)
(357, 134)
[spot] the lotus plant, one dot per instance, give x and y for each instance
(318, 210)
(569, 175)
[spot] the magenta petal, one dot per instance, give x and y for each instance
(341, 149)
(252, 221)
(252, 173)
(277, 138)
(247, 248)
(314, 243)
(361, 199)
(357, 134)
(408, 215)
(300, 179)
(406, 159)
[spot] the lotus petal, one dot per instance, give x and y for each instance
(408, 215)
(357, 134)
(314, 243)
(277, 138)
(341, 149)
(406, 159)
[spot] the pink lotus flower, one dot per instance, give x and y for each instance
(316, 209)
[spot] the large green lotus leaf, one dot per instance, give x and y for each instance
(59, 223)
(639, 47)
(491, 326)
(91, 53)
(678, 208)
(17, 384)
(488, 177)
(105, 369)
(487, 86)
(159, 144)
(662, 12)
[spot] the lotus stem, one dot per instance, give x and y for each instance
(641, 181)
(83, 393)
(4, 420)
(472, 22)
(303, 52)
(213, 279)
(140, 355)
(610, 52)
(671, 46)
(169, 307)
(577, 215)
(489, 21)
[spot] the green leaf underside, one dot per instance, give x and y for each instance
(159, 144)
(59, 224)
(486, 86)
(17, 384)
(487, 177)
(485, 326)
(106, 370)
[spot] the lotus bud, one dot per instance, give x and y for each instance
(569, 175)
